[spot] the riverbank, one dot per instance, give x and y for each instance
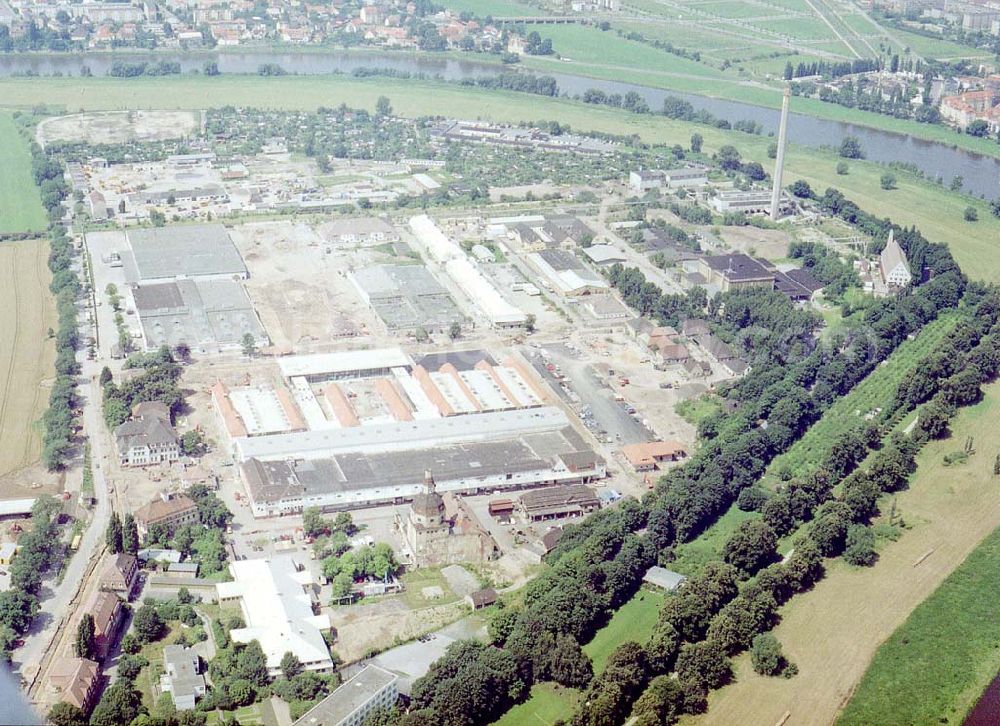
(932, 208)
(628, 63)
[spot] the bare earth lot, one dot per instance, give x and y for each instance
(26, 358)
(832, 632)
(116, 127)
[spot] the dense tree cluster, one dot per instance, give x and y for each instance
(158, 382)
(471, 684)
(377, 560)
(826, 266)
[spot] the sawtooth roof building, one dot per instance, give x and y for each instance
(207, 315)
(486, 452)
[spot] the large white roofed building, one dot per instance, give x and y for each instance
(277, 600)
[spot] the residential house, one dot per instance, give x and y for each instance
(182, 677)
(106, 608)
(171, 511)
(120, 574)
(77, 681)
(148, 438)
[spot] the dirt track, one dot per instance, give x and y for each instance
(832, 632)
(27, 355)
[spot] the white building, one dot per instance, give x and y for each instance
(372, 688)
(643, 180)
(279, 604)
(893, 266)
(475, 286)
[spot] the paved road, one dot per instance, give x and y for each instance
(610, 414)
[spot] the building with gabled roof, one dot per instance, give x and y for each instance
(147, 438)
(893, 265)
(77, 681)
(171, 511)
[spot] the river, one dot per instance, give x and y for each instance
(981, 174)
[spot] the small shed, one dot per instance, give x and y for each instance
(183, 569)
(662, 577)
(481, 598)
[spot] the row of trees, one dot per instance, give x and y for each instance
(719, 617)
(59, 418)
(122, 535)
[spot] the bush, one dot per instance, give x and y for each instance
(842, 168)
(970, 214)
(860, 547)
(766, 655)
(888, 181)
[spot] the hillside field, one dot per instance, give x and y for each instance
(27, 355)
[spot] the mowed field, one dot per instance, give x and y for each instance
(937, 664)
(20, 207)
(27, 355)
(833, 631)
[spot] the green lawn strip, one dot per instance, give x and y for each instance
(694, 555)
(632, 621)
(933, 668)
(20, 204)
(548, 703)
(695, 410)
(875, 391)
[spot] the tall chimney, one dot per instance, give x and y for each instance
(780, 160)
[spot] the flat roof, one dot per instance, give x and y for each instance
(10, 507)
(197, 250)
(739, 267)
(401, 473)
(348, 697)
(402, 435)
(407, 296)
(347, 362)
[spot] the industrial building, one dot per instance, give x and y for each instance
(279, 602)
(446, 252)
(486, 452)
(407, 297)
(207, 315)
(370, 424)
(752, 202)
(565, 273)
(164, 254)
(353, 701)
(558, 502)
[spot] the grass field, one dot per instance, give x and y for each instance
(550, 702)
(875, 391)
(20, 206)
(934, 210)
(942, 657)
(27, 355)
(833, 631)
(693, 556)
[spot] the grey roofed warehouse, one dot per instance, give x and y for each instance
(159, 254)
(407, 296)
